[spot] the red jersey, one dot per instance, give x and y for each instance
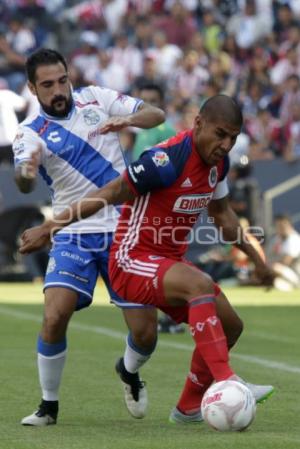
(174, 187)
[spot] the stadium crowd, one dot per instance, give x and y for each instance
(192, 49)
(174, 54)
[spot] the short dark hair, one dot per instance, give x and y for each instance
(43, 56)
(153, 86)
(222, 107)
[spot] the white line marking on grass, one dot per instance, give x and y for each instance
(271, 337)
(167, 344)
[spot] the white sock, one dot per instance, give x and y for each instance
(50, 371)
(134, 358)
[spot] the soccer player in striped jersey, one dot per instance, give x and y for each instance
(73, 143)
(164, 192)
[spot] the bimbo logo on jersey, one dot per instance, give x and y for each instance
(192, 204)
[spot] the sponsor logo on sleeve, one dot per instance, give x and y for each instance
(160, 159)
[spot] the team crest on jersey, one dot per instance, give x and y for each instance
(51, 265)
(213, 177)
(91, 117)
(160, 159)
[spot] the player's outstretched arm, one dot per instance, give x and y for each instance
(115, 192)
(147, 116)
(227, 222)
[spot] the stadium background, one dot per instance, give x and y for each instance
(193, 49)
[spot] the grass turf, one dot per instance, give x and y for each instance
(92, 414)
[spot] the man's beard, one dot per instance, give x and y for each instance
(51, 110)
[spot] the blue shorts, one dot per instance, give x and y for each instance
(76, 261)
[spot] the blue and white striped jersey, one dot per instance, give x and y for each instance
(76, 159)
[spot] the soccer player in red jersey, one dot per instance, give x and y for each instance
(164, 192)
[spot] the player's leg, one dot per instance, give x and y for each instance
(200, 377)
(69, 283)
(184, 283)
(140, 343)
(60, 304)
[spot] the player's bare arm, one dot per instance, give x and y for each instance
(226, 219)
(147, 116)
(115, 192)
(26, 173)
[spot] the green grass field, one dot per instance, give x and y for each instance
(92, 414)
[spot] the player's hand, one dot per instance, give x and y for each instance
(30, 168)
(265, 275)
(114, 124)
(34, 238)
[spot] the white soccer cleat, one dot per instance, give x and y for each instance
(36, 420)
(176, 417)
(44, 416)
(135, 393)
(260, 392)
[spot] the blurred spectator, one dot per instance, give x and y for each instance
(150, 73)
(292, 151)
(257, 72)
(243, 191)
(143, 33)
(166, 54)
(211, 31)
(128, 56)
(108, 73)
(226, 261)
(10, 103)
(284, 253)
(284, 20)
(86, 57)
(290, 97)
(189, 80)
(186, 118)
(179, 26)
(11, 65)
(146, 138)
(266, 135)
(288, 65)
(19, 35)
(39, 20)
(248, 26)
(240, 151)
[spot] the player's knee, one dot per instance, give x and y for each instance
(201, 284)
(145, 339)
(54, 325)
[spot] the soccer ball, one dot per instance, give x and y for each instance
(228, 405)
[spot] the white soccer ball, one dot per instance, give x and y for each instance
(228, 405)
